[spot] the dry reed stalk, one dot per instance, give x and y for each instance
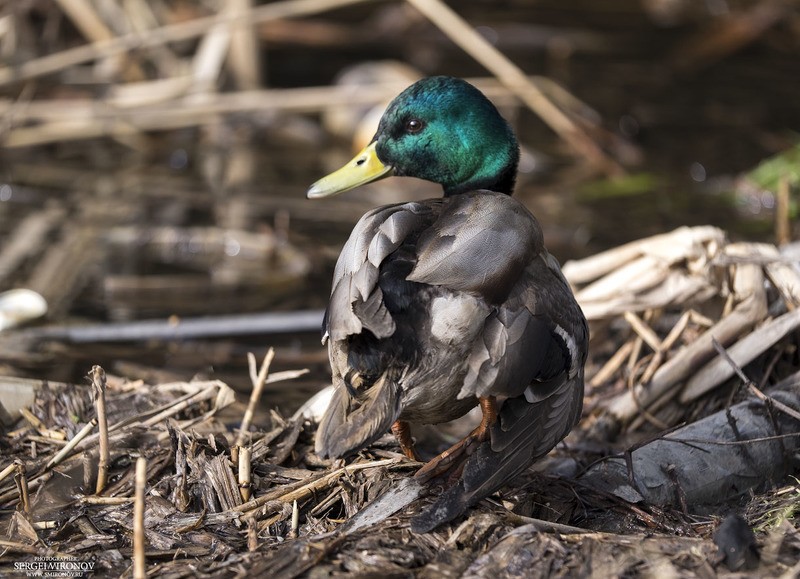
(27, 238)
(14, 547)
(302, 490)
(7, 471)
(643, 330)
(64, 452)
(82, 14)
(163, 35)
(252, 535)
(543, 526)
(466, 37)
(666, 345)
(211, 389)
(244, 56)
(139, 563)
(748, 287)
(633, 357)
(21, 481)
(741, 353)
(95, 500)
(613, 364)
(32, 419)
(44, 525)
(683, 243)
(295, 528)
(245, 486)
(258, 380)
(98, 376)
(209, 58)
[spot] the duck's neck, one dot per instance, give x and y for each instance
(503, 183)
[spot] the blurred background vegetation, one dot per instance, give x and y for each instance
(155, 153)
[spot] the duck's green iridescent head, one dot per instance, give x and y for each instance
(441, 129)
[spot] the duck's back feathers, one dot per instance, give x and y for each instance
(480, 243)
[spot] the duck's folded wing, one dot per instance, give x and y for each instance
(479, 244)
(356, 299)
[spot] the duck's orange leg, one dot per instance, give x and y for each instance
(462, 449)
(402, 432)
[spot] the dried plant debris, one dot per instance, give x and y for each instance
(657, 305)
(636, 515)
(632, 492)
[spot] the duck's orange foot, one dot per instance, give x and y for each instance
(452, 459)
(402, 431)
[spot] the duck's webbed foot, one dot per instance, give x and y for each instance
(402, 431)
(453, 458)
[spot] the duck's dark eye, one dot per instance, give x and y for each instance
(414, 126)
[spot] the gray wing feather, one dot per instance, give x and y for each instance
(356, 300)
(486, 241)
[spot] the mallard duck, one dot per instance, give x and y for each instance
(441, 305)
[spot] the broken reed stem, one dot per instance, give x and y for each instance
(244, 472)
(295, 521)
(255, 395)
(99, 388)
(6, 472)
(64, 452)
(95, 500)
(139, 570)
(44, 525)
(22, 485)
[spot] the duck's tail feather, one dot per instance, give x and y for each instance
(351, 423)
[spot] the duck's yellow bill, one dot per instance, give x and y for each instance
(363, 168)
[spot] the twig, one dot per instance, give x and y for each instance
(98, 376)
(462, 34)
(644, 331)
(752, 386)
(255, 395)
(139, 569)
(612, 365)
(545, 526)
